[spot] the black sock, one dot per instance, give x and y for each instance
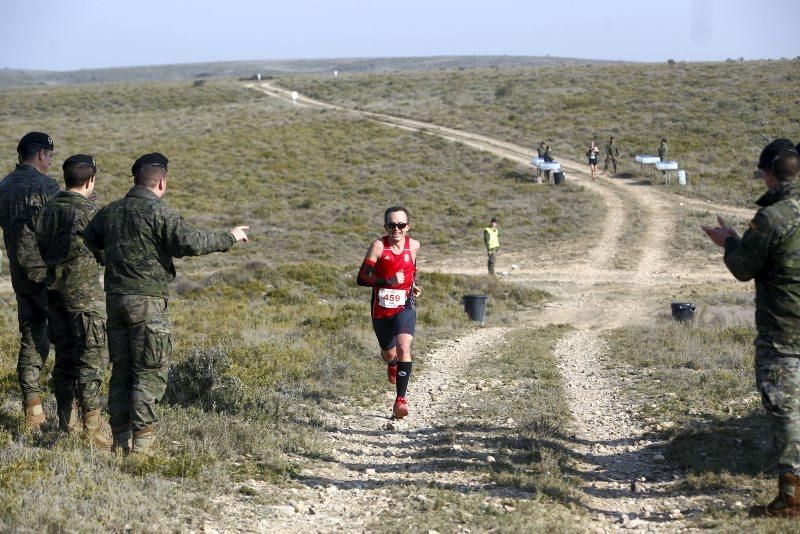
(403, 374)
(392, 363)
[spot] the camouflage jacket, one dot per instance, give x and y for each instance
(612, 150)
(72, 270)
(23, 193)
(769, 252)
(540, 151)
(663, 151)
(140, 235)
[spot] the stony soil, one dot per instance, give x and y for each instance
(624, 476)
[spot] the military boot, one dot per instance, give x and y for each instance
(122, 438)
(143, 440)
(68, 419)
(94, 432)
(786, 504)
(34, 414)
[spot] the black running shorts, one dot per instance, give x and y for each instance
(386, 330)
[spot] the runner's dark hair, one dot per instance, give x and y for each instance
(394, 209)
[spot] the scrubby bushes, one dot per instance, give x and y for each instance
(204, 379)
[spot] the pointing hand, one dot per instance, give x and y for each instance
(239, 234)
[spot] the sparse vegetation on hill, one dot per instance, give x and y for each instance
(249, 69)
(716, 116)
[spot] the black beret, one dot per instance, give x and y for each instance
(80, 159)
(157, 159)
(36, 138)
(772, 151)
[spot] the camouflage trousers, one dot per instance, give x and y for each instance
(778, 380)
(492, 259)
(79, 337)
(140, 347)
(34, 345)
(613, 160)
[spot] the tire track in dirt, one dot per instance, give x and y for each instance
(593, 265)
(616, 464)
(599, 257)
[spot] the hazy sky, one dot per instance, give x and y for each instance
(75, 34)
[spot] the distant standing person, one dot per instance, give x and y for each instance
(140, 235)
(767, 253)
(548, 157)
(76, 311)
(663, 150)
(390, 268)
(612, 153)
(492, 241)
(23, 193)
(540, 151)
(592, 155)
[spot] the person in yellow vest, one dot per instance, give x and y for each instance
(492, 242)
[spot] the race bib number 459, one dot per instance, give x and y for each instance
(391, 298)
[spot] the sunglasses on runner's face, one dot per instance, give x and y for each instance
(398, 226)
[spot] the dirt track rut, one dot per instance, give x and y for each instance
(592, 295)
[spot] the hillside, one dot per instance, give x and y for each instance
(248, 69)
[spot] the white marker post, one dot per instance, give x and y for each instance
(336, 73)
(258, 76)
(294, 97)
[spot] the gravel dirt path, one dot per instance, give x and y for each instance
(624, 475)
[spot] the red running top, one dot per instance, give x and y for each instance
(387, 265)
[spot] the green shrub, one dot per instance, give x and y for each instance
(204, 379)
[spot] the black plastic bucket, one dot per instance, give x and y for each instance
(558, 177)
(475, 306)
(683, 311)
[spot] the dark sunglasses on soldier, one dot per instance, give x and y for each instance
(398, 226)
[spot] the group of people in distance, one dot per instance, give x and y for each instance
(56, 242)
(545, 152)
(612, 154)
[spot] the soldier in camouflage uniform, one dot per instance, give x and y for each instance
(76, 311)
(663, 150)
(23, 193)
(540, 152)
(612, 153)
(140, 236)
(769, 252)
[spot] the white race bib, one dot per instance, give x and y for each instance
(391, 298)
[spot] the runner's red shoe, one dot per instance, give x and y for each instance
(391, 370)
(400, 409)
